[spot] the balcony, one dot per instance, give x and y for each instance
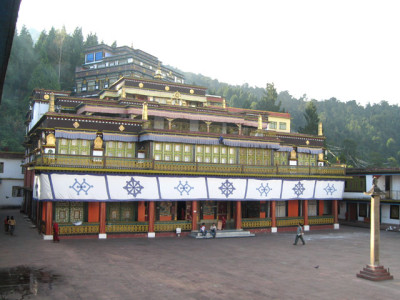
(392, 195)
(59, 161)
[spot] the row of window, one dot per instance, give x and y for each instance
(273, 125)
(188, 153)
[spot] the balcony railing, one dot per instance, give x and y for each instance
(392, 195)
(126, 163)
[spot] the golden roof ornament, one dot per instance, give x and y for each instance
(259, 122)
(158, 74)
(51, 103)
(144, 112)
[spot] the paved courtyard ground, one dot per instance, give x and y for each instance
(267, 266)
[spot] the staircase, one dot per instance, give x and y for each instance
(222, 234)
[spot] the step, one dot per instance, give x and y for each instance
(222, 234)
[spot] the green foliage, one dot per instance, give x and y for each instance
(49, 64)
(360, 136)
(312, 119)
(269, 101)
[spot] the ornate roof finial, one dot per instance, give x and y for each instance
(158, 74)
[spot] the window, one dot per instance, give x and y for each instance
(282, 126)
(362, 212)
(272, 125)
(99, 56)
(1, 167)
(17, 191)
(280, 209)
(394, 212)
(89, 57)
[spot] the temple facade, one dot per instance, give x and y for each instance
(148, 156)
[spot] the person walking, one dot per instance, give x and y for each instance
(299, 234)
(6, 224)
(55, 232)
(11, 225)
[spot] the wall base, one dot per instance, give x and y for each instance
(102, 236)
(47, 237)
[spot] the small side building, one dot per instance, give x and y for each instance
(11, 179)
(356, 205)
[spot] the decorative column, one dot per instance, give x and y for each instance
(335, 214)
(208, 126)
(194, 215)
(141, 211)
(102, 219)
(239, 128)
(48, 233)
(374, 271)
(170, 120)
(238, 216)
(305, 214)
(151, 233)
(273, 217)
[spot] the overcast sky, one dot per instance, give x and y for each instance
(344, 49)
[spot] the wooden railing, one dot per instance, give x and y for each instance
(286, 221)
(126, 163)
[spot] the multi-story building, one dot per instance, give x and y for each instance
(104, 65)
(11, 179)
(149, 156)
(356, 204)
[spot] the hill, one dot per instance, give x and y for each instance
(360, 136)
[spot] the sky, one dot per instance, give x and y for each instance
(348, 49)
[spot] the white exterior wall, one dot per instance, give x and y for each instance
(38, 110)
(12, 176)
(385, 215)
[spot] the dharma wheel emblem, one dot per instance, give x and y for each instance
(121, 128)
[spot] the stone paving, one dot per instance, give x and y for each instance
(267, 266)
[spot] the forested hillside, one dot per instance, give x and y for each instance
(360, 136)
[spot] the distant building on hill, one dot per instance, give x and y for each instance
(104, 65)
(11, 179)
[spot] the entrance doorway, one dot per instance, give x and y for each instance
(181, 210)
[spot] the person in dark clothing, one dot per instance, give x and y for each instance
(299, 234)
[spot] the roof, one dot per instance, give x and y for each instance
(8, 19)
(16, 155)
(373, 171)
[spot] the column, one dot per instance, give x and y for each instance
(194, 215)
(273, 217)
(374, 271)
(335, 214)
(151, 233)
(305, 214)
(102, 220)
(238, 215)
(48, 233)
(141, 211)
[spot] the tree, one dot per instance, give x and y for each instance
(91, 40)
(312, 119)
(269, 100)
(44, 76)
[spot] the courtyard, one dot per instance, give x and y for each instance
(267, 266)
